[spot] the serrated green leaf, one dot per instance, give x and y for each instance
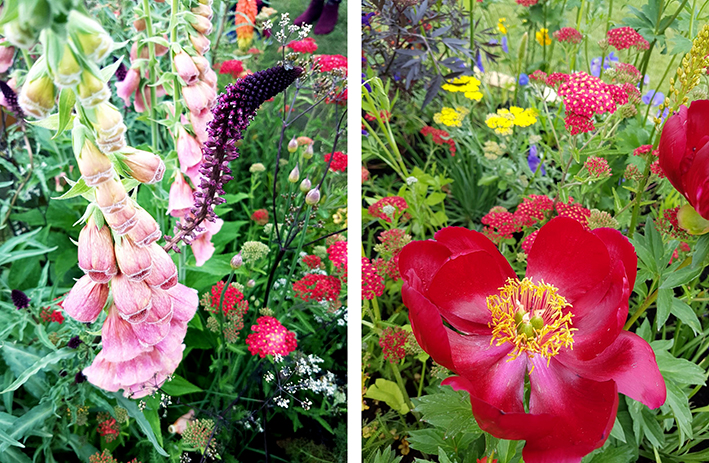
(179, 386)
(39, 365)
(611, 454)
(684, 312)
(664, 306)
(449, 410)
(388, 392)
(680, 277)
(679, 403)
(679, 370)
(701, 249)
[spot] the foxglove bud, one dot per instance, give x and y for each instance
(92, 91)
(110, 128)
(128, 86)
(293, 145)
(111, 196)
(313, 197)
(308, 153)
(195, 99)
(123, 220)
(202, 64)
(186, 68)
(96, 257)
(209, 77)
(203, 10)
(38, 93)
(86, 300)
(7, 55)
(189, 153)
(135, 262)
(210, 93)
(21, 34)
(90, 37)
(139, 24)
(67, 71)
(146, 230)
(181, 199)
(294, 175)
(144, 166)
(164, 273)
(131, 298)
(95, 167)
(201, 24)
(200, 43)
(236, 261)
(305, 185)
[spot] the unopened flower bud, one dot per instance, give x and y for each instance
(96, 257)
(293, 145)
(135, 262)
(146, 231)
(94, 166)
(139, 24)
(144, 166)
(38, 93)
(200, 43)
(91, 37)
(86, 300)
(313, 197)
(111, 196)
(21, 34)
(305, 185)
(186, 68)
(67, 71)
(250, 283)
(123, 220)
(294, 175)
(92, 91)
(201, 24)
(110, 128)
(236, 261)
(257, 168)
(203, 10)
(308, 153)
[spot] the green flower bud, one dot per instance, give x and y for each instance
(313, 197)
(293, 145)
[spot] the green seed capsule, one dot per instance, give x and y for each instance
(537, 322)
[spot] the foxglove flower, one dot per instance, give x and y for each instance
(180, 200)
(96, 257)
(7, 56)
(235, 109)
(164, 272)
(94, 166)
(561, 327)
(202, 246)
(186, 68)
(86, 300)
(189, 153)
(38, 93)
(135, 262)
(143, 166)
(684, 157)
(146, 230)
(111, 196)
(128, 85)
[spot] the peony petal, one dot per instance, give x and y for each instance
(697, 133)
(460, 289)
(696, 181)
(572, 259)
(672, 148)
(620, 248)
(460, 240)
(424, 258)
(630, 362)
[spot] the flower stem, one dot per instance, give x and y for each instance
(153, 74)
(400, 383)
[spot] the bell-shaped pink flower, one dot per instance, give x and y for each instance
(111, 196)
(86, 300)
(200, 43)
(119, 342)
(124, 220)
(200, 120)
(202, 246)
(102, 374)
(131, 298)
(135, 262)
(186, 68)
(164, 273)
(185, 302)
(189, 152)
(96, 256)
(127, 87)
(180, 200)
(146, 230)
(194, 174)
(195, 98)
(210, 93)
(157, 326)
(201, 24)
(95, 166)
(7, 55)
(144, 166)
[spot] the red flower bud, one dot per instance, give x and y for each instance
(135, 262)
(164, 273)
(96, 256)
(86, 300)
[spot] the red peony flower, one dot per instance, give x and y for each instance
(260, 216)
(269, 337)
(339, 161)
(684, 158)
(306, 45)
(561, 326)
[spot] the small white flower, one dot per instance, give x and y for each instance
(411, 180)
(389, 210)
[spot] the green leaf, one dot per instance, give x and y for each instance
(679, 370)
(66, 104)
(151, 415)
(110, 70)
(34, 418)
(700, 251)
(618, 431)
(664, 306)
(680, 277)
(684, 312)
(6, 439)
(388, 392)
(442, 457)
(435, 198)
(39, 365)
(139, 417)
(449, 410)
(679, 403)
(14, 456)
(611, 454)
(179, 386)
(429, 440)
(50, 122)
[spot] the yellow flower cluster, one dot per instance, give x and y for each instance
(451, 117)
(501, 25)
(468, 85)
(503, 121)
(542, 36)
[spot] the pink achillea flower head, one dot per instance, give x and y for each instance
(312, 261)
(108, 427)
(439, 137)
(339, 161)
(622, 38)
(632, 173)
(500, 224)
(533, 209)
(260, 216)
(568, 34)
(331, 62)
(627, 73)
(539, 75)
(233, 299)
(656, 169)
(372, 281)
(527, 3)
(337, 253)
(233, 67)
(597, 167)
(574, 211)
(313, 287)
(643, 149)
(307, 45)
(585, 96)
(269, 337)
(392, 342)
(668, 224)
(388, 207)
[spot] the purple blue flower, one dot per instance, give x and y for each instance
(534, 161)
(654, 97)
(523, 79)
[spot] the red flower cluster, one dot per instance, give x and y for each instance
(365, 174)
(107, 427)
(656, 169)
(339, 161)
(269, 337)
(623, 38)
(568, 34)
(683, 247)
(440, 137)
(598, 167)
(318, 288)
(372, 281)
(233, 299)
(584, 96)
(527, 3)
(397, 202)
(49, 315)
(330, 62)
(260, 216)
(626, 72)
(574, 211)
(538, 75)
(306, 45)
(643, 149)
(668, 224)
(337, 252)
(383, 115)
(312, 261)
(233, 67)
(392, 342)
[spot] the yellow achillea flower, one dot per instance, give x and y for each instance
(542, 36)
(503, 121)
(451, 117)
(501, 25)
(470, 86)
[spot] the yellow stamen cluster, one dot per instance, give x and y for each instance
(531, 317)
